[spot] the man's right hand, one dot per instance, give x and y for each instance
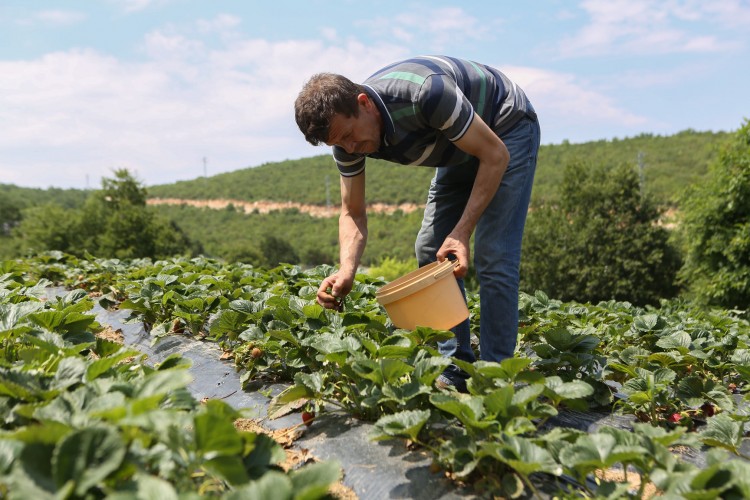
(333, 289)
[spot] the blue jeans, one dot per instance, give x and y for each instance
(497, 243)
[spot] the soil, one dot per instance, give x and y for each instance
(264, 207)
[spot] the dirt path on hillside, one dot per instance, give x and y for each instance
(264, 207)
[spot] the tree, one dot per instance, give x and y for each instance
(46, 227)
(716, 229)
(602, 242)
(277, 251)
(10, 215)
(113, 222)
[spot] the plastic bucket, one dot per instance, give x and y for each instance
(429, 296)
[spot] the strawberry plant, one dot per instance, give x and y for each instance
(659, 364)
(85, 417)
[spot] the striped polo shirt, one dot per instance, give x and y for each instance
(427, 103)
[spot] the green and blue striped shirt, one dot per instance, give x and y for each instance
(427, 103)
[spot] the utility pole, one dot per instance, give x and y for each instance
(328, 191)
(641, 177)
(204, 167)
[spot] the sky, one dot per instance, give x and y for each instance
(178, 89)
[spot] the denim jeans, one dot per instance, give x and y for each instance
(497, 243)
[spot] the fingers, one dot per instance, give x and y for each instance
(330, 293)
(460, 269)
(459, 251)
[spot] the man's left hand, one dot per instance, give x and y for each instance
(458, 246)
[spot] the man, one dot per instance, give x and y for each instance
(481, 132)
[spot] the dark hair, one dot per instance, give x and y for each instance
(324, 95)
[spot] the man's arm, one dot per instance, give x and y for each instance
(352, 241)
(479, 141)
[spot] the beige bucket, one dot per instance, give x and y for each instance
(429, 296)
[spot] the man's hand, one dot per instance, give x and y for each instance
(333, 289)
(458, 246)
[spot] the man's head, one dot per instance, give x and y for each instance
(331, 109)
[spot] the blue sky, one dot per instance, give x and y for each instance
(157, 86)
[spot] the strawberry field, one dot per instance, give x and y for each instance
(83, 416)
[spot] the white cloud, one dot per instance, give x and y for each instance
(60, 17)
(441, 26)
(137, 5)
(654, 27)
(79, 114)
(219, 24)
(564, 103)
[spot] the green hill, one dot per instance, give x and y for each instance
(668, 165)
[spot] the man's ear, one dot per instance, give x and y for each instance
(363, 99)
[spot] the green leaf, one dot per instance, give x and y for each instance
(215, 435)
(677, 340)
(10, 449)
(574, 389)
(649, 323)
(724, 432)
(87, 457)
(289, 400)
(265, 454)
(468, 409)
(161, 382)
(228, 467)
(527, 394)
(152, 487)
(521, 454)
(564, 340)
(407, 423)
(313, 481)
(313, 381)
(70, 371)
(228, 322)
(285, 335)
(271, 486)
(314, 311)
(589, 452)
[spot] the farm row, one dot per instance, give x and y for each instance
(678, 375)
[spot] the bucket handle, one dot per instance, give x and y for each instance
(456, 264)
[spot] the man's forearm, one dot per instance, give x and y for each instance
(485, 186)
(352, 241)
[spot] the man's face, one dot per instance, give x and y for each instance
(360, 134)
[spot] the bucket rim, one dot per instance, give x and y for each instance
(414, 281)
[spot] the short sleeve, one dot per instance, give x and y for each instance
(445, 107)
(349, 165)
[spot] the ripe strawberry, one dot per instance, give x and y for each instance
(675, 418)
(256, 353)
(308, 417)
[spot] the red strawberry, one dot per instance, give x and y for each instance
(675, 417)
(308, 417)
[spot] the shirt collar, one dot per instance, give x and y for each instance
(389, 128)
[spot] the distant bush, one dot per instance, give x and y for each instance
(601, 242)
(390, 268)
(716, 229)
